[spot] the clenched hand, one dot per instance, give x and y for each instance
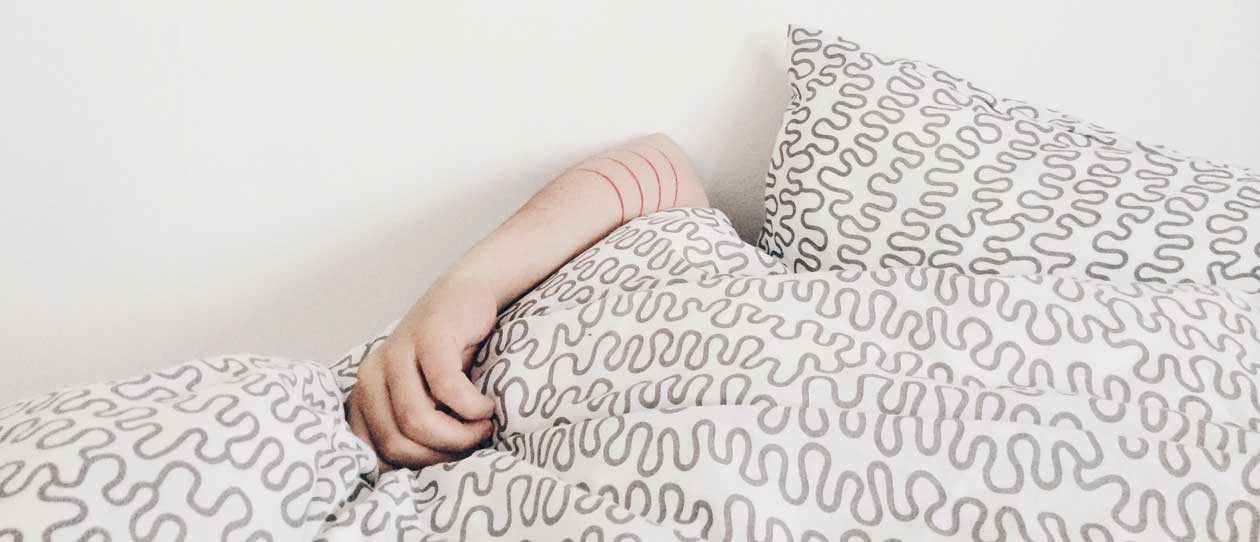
(414, 401)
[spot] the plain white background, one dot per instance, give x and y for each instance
(185, 179)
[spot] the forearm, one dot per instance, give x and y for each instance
(576, 209)
(414, 402)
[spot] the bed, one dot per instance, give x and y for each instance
(872, 369)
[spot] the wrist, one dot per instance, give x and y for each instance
(446, 296)
(461, 284)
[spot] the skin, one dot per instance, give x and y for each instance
(414, 402)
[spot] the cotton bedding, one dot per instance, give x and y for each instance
(886, 162)
(672, 382)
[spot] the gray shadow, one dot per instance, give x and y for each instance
(751, 119)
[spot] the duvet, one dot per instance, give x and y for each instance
(673, 382)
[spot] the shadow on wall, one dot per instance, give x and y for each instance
(740, 131)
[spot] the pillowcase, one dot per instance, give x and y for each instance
(884, 162)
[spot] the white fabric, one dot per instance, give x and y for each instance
(673, 382)
(889, 162)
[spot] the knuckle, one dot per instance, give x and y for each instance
(444, 387)
(370, 367)
(394, 449)
(394, 347)
(414, 426)
(397, 356)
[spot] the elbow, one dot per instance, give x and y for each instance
(688, 188)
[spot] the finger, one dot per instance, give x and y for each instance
(443, 366)
(354, 415)
(355, 418)
(418, 416)
(386, 438)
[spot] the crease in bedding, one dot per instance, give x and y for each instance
(673, 382)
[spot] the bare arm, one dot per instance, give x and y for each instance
(422, 366)
(576, 209)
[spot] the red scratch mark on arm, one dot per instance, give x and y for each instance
(632, 176)
(620, 202)
(654, 172)
(674, 172)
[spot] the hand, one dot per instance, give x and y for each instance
(414, 402)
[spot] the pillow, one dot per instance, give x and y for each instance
(884, 162)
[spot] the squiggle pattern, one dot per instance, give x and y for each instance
(885, 162)
(229, 448)
(673, 383)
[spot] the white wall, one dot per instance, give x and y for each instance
(180, 180)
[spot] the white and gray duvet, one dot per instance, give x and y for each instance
(674, 382)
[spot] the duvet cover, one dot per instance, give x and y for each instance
(672, 382)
